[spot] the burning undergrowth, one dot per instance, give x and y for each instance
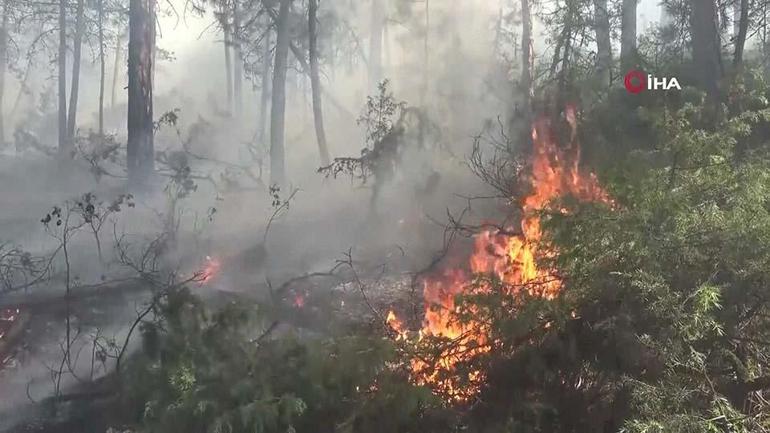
(503, 260)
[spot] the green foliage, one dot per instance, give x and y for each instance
(663, 322)
(680, 267)
(380, 114)
(203, 372)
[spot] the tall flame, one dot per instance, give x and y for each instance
(510, 258)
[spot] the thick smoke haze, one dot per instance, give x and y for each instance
(341, 176)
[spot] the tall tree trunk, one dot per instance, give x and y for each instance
(562, 94)
(238, 60)
(116, 69)
(740, 34)
(65, 150)
(425, 54)
(228, 44)
(375, 45)
(228, 63)
(603, 43)
(706, 53)
(666, 17)
(141, 40)
(23, 86)
(3, 67)
(76, 57)
(387, 57)
(278, 107)
(520, 117)
(101, 67)
(265, 93)
(315, 82)
(628, 56)
(527, 59)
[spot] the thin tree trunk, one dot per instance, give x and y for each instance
(76, 57)
(561, 95)
(740, 36)
(278, 108)
(3, 67)
(315, 83)
(628, 35)
(387, 52)
(154, 58)
(765, 45)
(238, 60)
(101, 68)
(603, 43)
(140, 148)
(706, 46)
(527, 58)
(666, 18)
(265, 93)
(375, 45)
(496, 48)
(64, 145)
(228, 61)
(23, 87)
(300, 58)
(425, 54)
(116, 70)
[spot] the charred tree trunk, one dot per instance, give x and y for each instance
(101, 68)
(278, 107)
(375, 45)
(116, 70)
(141, 41)
(603, 43)
(3, 67)
(315, 83)
(628, 56)
(706, 54)
(65, 150)
(76, 57)
(742, 28)
(238, 59)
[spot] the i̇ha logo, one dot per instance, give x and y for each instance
(636, 81)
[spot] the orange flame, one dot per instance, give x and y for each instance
(512, 259)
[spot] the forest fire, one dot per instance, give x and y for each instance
(511, 259)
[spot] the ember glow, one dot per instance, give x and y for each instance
(299, 301)
(512, 259)
(8, 317)
(211, 269)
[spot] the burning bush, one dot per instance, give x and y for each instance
(505, 259)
